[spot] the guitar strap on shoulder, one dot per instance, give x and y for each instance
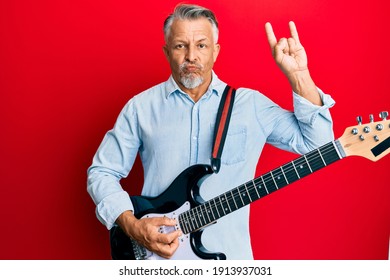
(221, 126)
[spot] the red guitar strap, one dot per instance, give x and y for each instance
(221, 126)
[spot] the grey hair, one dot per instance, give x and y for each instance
(191, 12)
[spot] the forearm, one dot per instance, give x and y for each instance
(302, 84)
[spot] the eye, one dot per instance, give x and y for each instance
(179, 46)
(202, 46)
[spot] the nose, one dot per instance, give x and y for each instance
(191, 54)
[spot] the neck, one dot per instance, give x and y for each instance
(222, 205)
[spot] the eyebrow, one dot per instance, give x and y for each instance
(184, 41)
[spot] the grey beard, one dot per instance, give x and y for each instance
(190, 82)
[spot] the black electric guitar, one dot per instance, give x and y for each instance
(183, 202)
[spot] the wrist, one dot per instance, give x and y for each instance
(300, 80)
(302, 84)
(126, 221)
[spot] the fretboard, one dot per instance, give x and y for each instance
(210, 211)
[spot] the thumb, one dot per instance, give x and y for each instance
(165, 221)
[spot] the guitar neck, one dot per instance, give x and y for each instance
(228, 202)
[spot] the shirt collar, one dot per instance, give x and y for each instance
(217, 86)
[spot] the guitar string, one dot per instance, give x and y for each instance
(250, 190)
(316, 154)
(313, 154)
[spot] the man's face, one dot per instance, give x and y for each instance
(191, 52)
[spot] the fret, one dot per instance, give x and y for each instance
(281, 168)
(321, 157)
(249, 195)
(315, 159)
(237, 198)
(271, 187)
(254, 194)
(194, 216)
(233, 198)
(207, 213)
(336, 149)
(302, 167)
(304, 156)
(244, 195)
(331, 154)
(198, 216)
(216, 208)
(262, 179)
(183, 223)
(280, 177)
(189, 222)
(202, 215)
(255, 187)
(226, 202)
(221, 204)
(290, 172)
(261, 189)
(239, 193)
(273, 179)
(299, 177)
(211, 210)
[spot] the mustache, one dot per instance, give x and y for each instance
(192, 64)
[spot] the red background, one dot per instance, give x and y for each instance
(68, 67)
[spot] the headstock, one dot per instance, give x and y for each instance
(370, 140)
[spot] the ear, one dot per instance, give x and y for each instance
(166, 51)
(217, 48)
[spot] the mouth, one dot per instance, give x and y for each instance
(191, 69)
(188, 68)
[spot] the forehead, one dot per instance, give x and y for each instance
(188, 29)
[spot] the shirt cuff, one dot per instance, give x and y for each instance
(109, 209)
(307, 112)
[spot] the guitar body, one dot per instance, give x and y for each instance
(180, 196)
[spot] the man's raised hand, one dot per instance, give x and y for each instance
(288, 53)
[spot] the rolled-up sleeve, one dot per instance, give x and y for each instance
(306, 112)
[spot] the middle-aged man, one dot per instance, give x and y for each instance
(171, 126)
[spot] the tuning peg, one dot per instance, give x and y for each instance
(371, 118)
(383, 115)
(366, 129)
(359, 120)
(379, 126)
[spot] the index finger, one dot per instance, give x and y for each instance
(293, 31)
(270, 35)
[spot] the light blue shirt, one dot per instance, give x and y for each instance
(171, 132)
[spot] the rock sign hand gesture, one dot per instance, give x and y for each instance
(290, 56)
